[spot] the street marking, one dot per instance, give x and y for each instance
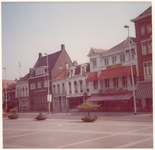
(134, 143)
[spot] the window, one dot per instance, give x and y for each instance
(107, 83)
(134, 78)
(147, 68)
(70, 90)
(81, 86)
(39, 84)
(133, 53)
(63, 88)
(149, 47)
(94, 63)
(144, 49)
(45, 83)
(122, 58)
(87, 86)
(124, 81)
(58, 89)
(149, 30)
(106, 61)
(95, 84)
(115, 82)
(39, 72)
(32, 86)
(114, 59)
(75, 86)
(142, 30)
(54, 89)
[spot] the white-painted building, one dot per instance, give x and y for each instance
(110, 72)
(69, 88)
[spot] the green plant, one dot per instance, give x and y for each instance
(40, 116)
(14, 110)
(88, 107)
(13, 115)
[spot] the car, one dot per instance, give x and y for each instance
(5, 114)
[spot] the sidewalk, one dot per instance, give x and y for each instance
(109, 116)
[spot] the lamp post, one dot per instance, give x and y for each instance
(5, 87)
(48, 94)
(135, 109)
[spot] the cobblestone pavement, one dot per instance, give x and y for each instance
(59, 132)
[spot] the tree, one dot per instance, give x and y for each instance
(88, 107)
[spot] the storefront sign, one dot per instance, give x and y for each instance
(40, 91)
(114, 66)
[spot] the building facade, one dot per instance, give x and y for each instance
(110, 76)
(46, 68)
(143, 28)
(22, 93)
(70, 88)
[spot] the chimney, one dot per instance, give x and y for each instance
(62, 47)
(75, 63)
(30, 70)
(40, 55)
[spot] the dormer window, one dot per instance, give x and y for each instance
(40, 72)
(114, 60)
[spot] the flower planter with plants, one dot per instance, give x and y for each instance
(14, 114)
(40, 117)
(88, 107)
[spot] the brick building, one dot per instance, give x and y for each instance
(6, 83)
(39, 74)
(143, 28)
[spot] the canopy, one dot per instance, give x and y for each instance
(122, 71)
(110, 97)
(92, 77)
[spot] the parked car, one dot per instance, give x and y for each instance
(5, 114)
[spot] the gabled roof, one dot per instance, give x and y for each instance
(61, 74)
(52, 58)
(146, 13)
(96, 51)
(25, 78)
(121, 45)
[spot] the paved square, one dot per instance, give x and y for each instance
(25, 133)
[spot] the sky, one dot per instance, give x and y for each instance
(30, 28)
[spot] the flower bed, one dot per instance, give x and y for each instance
(13, 116)
(89, 118)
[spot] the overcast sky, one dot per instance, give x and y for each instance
(29, 28)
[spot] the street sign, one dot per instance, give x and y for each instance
(49, 98)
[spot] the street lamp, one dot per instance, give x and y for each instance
(5, 87)
(131, 72)
(48, 94)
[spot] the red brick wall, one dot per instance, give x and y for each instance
(142, 58)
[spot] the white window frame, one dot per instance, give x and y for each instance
(32, 86)
(142, 30)
(149, 29)
(122, 57)
(106, 61)
(94, 63)
(114, 59)
(147, 68)
(144, 48)
(149, 43)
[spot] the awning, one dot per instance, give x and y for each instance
(144, 90)
(110, 97)
(122, 71)
(92, 77)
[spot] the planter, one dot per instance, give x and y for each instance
(13, 116)
(89, 119)
(40, 117)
